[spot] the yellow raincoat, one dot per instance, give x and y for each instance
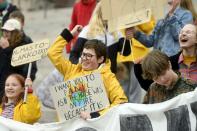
(28, 112)
(138, 50)
(114, 91)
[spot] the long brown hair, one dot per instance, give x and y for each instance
(16, 38)
(21, 80)
(188, 5)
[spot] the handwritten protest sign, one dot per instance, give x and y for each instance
(128, 13)
(86, 93)
(29, 53)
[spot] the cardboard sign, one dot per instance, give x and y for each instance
(128, 13)
(29, 53)
(130, 20)
(85, 93)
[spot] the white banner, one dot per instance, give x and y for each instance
(178, 114)
(29, 53)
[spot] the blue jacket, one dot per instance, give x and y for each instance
(166, 32)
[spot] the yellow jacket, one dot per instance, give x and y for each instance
(114, 91)
(28, 112)
(137, 49)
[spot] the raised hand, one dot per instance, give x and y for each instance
(28, 82)
(76, 30)
(174, 5)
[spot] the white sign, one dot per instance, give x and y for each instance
(29, 53)
(86, 93)
(177, 114)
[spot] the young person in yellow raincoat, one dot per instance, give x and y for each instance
(93, 59)
(12, 105)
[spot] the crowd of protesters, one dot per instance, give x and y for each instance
(165, 67)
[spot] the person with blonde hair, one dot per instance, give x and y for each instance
(188, 5)
(165, 34)
(97, 29)
(184, 61)
(81, 14)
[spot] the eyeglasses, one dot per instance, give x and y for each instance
(187, 32)
(87, 56)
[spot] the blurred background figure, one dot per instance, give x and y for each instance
(81, 14)
(5, 9)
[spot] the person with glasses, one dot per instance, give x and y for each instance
(93, 59)
(98, 29)
(185, 61)
(165, 34)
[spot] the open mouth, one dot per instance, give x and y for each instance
(184, 39)
(10, 92)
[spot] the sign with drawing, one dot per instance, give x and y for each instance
(86, 93)
(29, 53)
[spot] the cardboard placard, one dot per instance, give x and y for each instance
(29, 53)
(122, 13)
(85, 93)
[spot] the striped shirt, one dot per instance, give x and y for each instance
(188, 72)
(8, 111)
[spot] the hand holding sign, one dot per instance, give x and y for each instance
(27, 54)
(129, 33)
(28, 82)
(85, 115)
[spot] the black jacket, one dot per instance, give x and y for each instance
(5, 64)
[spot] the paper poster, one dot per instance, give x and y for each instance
(29, 53)
(86, 93)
